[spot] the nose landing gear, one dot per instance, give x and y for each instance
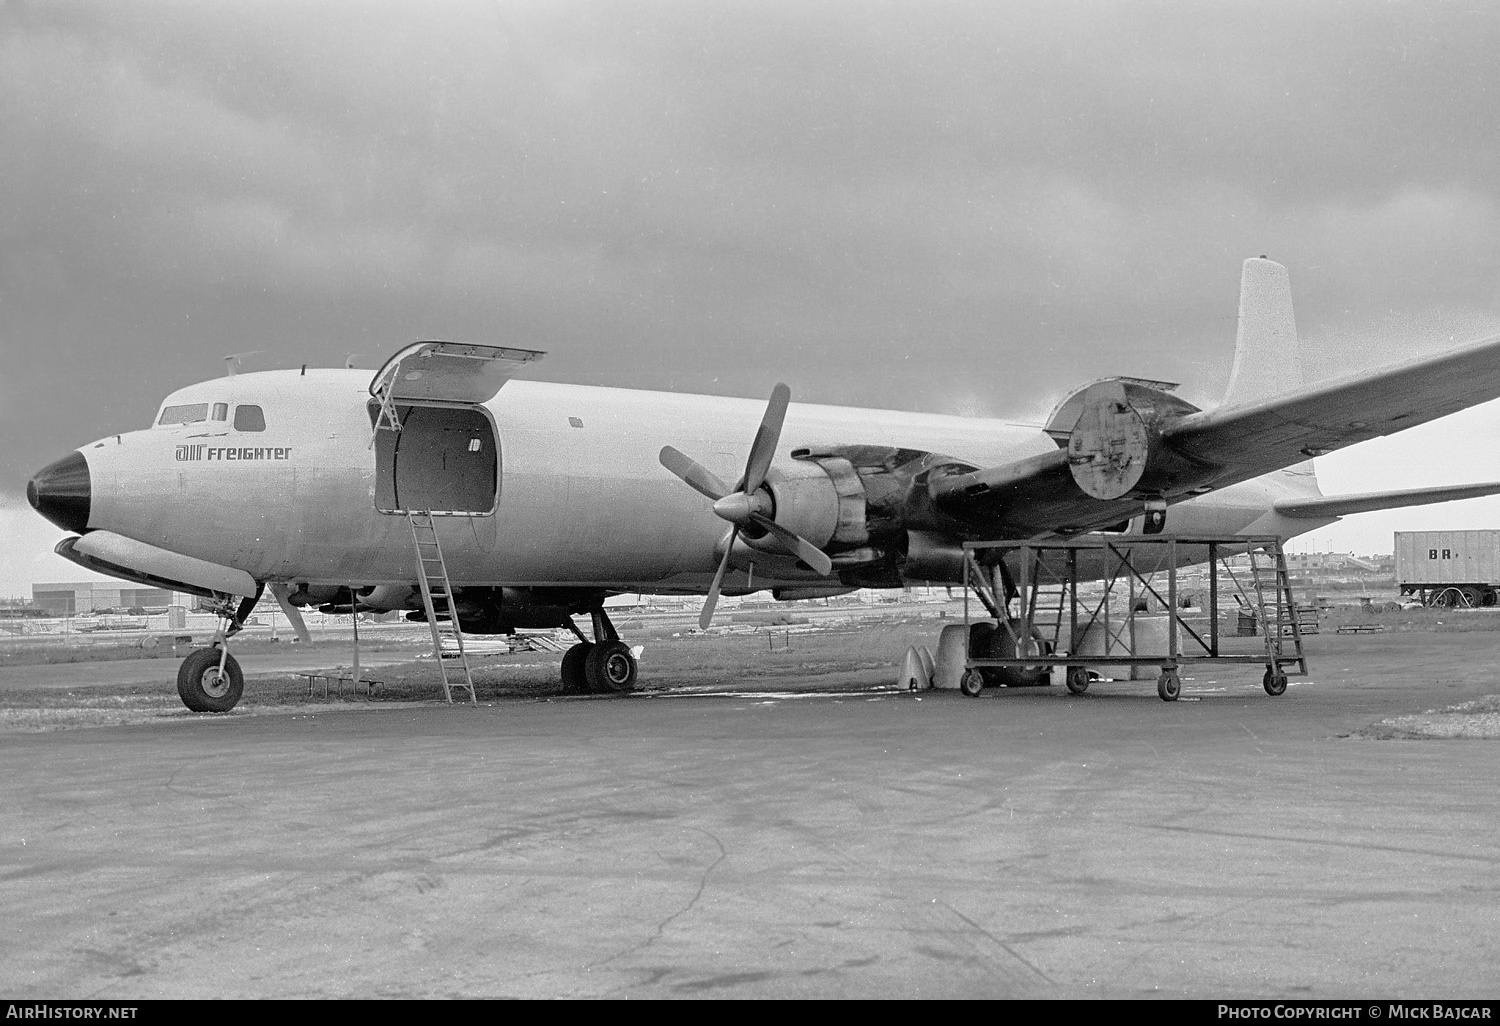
(209, 679)
(603, 666)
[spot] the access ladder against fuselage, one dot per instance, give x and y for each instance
(432, 574)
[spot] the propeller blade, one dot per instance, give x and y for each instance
(707, 616)
(763, 449)
(698, 477)
(796, 545)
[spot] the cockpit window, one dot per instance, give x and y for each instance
(249, 418)
(184, 414)
(221, 411)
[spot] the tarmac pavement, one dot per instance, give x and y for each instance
(163, 670)
(1023, 844)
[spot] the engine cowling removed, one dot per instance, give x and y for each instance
(1112, 433)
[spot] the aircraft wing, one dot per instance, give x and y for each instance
(1255, 438)
(1122, 442)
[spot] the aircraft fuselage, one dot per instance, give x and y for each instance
(581, 497)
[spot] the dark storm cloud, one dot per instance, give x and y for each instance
(957, 207)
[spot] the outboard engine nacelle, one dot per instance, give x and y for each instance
(1112, 431)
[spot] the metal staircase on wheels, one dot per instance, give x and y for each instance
(1277, 611)
(432, 573)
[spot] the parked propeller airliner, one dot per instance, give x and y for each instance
(546, 498)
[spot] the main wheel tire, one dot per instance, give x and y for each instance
(971, 683)
(1274, 683)
(981, 642)
(202, 688)
(1077, 679)
(1169, 685)
(610, 668)
(1003, 646)
(573, 676)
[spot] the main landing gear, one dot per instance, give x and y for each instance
(603, 666)
(209, 679)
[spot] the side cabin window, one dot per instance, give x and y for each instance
(249, 418)
(445, 459)
(221, 411)
(188, 414)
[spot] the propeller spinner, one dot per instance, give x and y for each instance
(746, 504)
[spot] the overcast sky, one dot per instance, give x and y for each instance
(954, 207)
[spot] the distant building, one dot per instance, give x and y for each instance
(1333, 561)
(94, 596)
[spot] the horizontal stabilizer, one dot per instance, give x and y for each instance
(1365, 502)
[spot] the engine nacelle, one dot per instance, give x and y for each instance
(317, 594)
(1112, 431)
(490, 610)
(385, 597)
(932, 557)
(820, 498)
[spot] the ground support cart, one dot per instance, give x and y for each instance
(1042, 620)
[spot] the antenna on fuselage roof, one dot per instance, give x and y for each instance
(349, 360)
(232, 361)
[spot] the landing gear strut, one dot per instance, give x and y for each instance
(209, 679)
(602, 666)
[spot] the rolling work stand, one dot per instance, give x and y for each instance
(1031, 589)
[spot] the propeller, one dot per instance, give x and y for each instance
(745, 504)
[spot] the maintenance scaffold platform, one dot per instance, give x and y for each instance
(1041, 620)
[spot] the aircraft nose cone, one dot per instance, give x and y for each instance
(62, 492)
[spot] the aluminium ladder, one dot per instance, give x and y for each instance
(1277, 608)
(432, 574)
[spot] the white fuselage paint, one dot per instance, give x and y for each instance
(587, 505)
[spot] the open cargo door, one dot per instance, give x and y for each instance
(452, 372)
(436, 449)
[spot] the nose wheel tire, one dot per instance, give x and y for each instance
(1169, 685)
(203, 688)
(1275, 683)
(610, 668)
(1078, 679)
(972, 683)
(573, 676)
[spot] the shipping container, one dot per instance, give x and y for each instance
(1449, 568)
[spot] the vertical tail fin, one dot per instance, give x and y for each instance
(1266, 360)
(1266, 357)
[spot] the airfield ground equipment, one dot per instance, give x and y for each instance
(1077, 602)
(1449, 568)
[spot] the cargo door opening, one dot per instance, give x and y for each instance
(445, 459)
